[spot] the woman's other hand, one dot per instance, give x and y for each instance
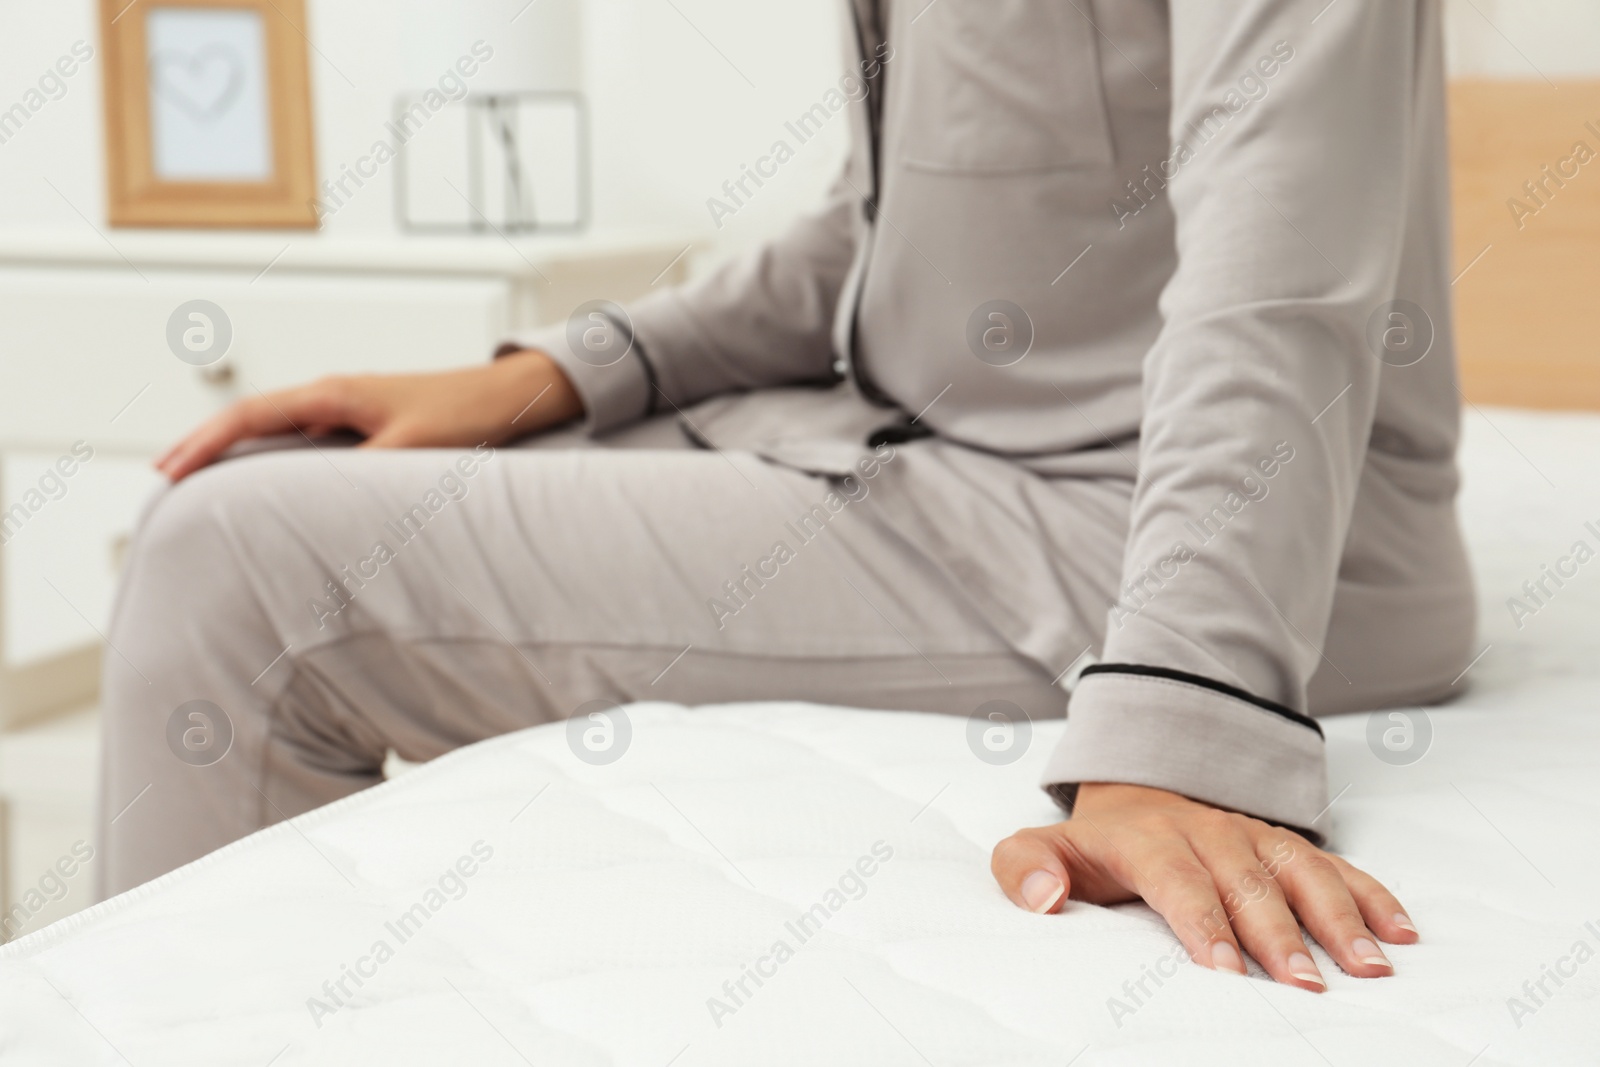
(1223, 882)
(491, 404)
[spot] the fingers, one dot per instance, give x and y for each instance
(1316, 890)
(1256, 906)
(402, 432)
(1030, 871)
(247, 418)
(1172, 880)
(1038, 868)
(323, 403)
(394, 435)
(1380, 909)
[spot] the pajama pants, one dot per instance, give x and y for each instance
(289, 617)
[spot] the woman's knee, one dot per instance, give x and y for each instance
(190, 555)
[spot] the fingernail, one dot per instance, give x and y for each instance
(1403, 921)
(1305, 969)
(1367, 952)
(1224, 957)
(1041, 890)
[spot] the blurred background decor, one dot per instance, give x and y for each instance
(1525, 162)
(508, 150)
(208, 113)
(516, 162)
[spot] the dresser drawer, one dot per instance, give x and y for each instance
(88, 357)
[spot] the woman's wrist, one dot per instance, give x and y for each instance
(1093, 796)
(544, 396)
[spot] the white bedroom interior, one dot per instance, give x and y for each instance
(666, 135)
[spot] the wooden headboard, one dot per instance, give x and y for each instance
(1528, 302)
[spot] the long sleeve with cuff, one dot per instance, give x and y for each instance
(1259, 399)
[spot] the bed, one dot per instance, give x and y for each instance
(783, 884)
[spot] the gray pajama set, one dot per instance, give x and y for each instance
(1124, 337)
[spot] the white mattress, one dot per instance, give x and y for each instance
(618, 900)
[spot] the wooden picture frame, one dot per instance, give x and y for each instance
(208, 133)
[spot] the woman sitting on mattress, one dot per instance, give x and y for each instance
(1122, 342)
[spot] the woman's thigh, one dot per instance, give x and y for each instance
(684, 575)
(333, 604)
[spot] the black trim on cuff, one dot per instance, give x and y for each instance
(650, 382)
(1203, 682)
(1065, 794)
(897, 434)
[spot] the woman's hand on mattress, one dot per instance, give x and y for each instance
(490, 404)
(1221, 880)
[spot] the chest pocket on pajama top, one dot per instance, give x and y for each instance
(1003, 87)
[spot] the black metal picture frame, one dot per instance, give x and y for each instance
(497, 112)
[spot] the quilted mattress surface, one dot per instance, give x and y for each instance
(792, 884)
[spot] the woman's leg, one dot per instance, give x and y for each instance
(331, 605)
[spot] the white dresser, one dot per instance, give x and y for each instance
(84, 357)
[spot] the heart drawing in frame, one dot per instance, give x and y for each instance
(205, 84)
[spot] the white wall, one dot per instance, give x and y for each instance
(672, 118)
(676, 119)
(62, 141)
(1523, 39)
